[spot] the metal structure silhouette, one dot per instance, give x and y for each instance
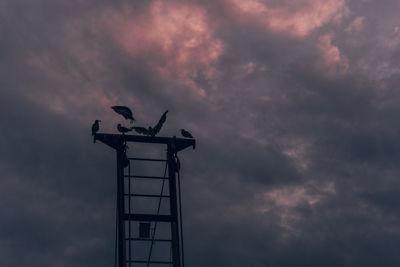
(125, 240)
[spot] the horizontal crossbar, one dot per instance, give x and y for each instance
(145, 195)
(148, 218)
(117, 141)
(156, 262)
(149, 239)
(145, 177)
(146, 159)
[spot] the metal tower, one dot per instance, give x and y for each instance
(136, 228)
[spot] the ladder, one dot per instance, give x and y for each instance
(150, 238)
(148, 223)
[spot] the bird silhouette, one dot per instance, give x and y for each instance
(152, 131)
(186, 134)
(95, 128)
(123, 129)
(125, 112)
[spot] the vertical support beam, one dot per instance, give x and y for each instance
(121, 207)
(176, 259)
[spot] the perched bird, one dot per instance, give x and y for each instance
(95, 129)
(152, 131)
(123, 129)
(186, 134)
(125, 112)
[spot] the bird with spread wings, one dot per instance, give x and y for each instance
(152, 131)
(123, 129)
(125, 112)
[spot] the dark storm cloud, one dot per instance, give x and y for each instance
(295, 117)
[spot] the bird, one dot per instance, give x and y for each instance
(152, 131)
(95, 129)
(123, 129)
(186, 134)
(125, 112)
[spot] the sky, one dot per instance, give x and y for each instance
(294, 105)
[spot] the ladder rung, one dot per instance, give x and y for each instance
(145, 177)
(147, 159)
(147, 217)
(149, 239)
(144, 195)
(156, 262)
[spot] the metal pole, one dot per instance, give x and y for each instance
(120, 207)
(173, 206)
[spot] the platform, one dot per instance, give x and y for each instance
(115, 140)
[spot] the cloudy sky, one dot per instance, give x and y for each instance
(294, 105)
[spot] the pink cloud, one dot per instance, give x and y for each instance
(286, 199)
(251, 67)
(297, 18)
(331, 59)
(292, 196)
(176, 40)
(394, 41)
(296, 151)
(356, 25)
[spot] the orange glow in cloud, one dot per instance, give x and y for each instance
(175, 39)
(297, 18)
